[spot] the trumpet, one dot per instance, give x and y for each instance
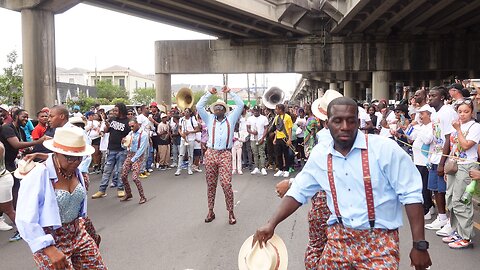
(290, 146)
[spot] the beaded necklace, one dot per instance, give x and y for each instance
(60, 170)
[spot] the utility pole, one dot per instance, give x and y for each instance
(225, 83)
(248, 89)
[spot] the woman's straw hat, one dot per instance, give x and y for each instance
(24, 167)
(319, 106)
(273, 255)
(69, 141)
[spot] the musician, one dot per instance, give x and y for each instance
(283, 140)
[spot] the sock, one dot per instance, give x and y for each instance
(442, 216)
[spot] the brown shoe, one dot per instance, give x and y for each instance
(210, 217)
(231, 218)
(126, 197)
(142, 200)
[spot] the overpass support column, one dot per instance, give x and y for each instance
(348, 89)
(380, 85)
(39, 79)
(163, 88)
(333, 86)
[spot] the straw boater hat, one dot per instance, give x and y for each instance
(24, 167)
(273, 255)
(319, 106)
(219, 102)
(76, 120)
(69, 141)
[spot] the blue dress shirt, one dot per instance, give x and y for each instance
(37, 205)
(221, 128)
(138, 147)
(395, 181)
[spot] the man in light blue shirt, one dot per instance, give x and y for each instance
(218, 157)
(134, 160)
(366, 180)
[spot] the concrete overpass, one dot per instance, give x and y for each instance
(357, 44)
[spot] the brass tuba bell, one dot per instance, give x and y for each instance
(184, 98)
(272, 97)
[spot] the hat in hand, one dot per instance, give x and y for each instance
(273, 255)
(24, 167)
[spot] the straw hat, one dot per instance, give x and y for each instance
(319, 106)
(273, 256)
(127, 141)
(69, 141)
(24, 167)
(76, 120)
(218, 102)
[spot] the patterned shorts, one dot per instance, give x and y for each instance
(78, 246)
(360, 249)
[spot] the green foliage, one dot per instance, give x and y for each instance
(105, 89)
(120, 100)
(144, 96)
(86, 103)
(198, 94)
(11, 82)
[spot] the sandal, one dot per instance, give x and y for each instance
(231, 219)
(462, 243)
(126, 197)
(210, 217)
(142, 200)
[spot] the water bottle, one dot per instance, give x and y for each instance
(468, 194)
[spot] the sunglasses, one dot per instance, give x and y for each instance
(132, 127)
(73, 159)
(465, 101)
(129, 113)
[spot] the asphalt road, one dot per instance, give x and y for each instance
(168, 232)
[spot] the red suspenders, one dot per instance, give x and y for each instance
(366, 181)
(213, 133)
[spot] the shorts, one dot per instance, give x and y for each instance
(96, 141)
(197, 152)
(155, 142)
(6, 184)
(435, 182)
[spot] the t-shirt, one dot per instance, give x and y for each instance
(423, 137)
(143, 121)
(471, 131)
(162, 131)
(301, 124)
(363, 116)
(198, 138)
(188, 125)
(28, 128)
(93, 129)
(38, 131)
(118, 130)
(9, 131)
(174, 132)
(442, 125)
(104, 139)
(282, 124)
(258, 124)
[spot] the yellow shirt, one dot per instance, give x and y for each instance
(282, 128)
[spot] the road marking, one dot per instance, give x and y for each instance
(237, 203)
(476, 225)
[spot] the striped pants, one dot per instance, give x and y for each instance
(135, 168)
(73, 240)
(218, 164)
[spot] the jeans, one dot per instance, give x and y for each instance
(247, 155)
(186, 148)
(175, 148)
(150, 158)
(113, 165)
(258, 154)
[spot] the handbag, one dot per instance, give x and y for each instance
(451, 166)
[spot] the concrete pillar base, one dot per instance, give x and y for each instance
(39, 79)
(348, 89)
(333, 86)
(380, 88)
(163, 88)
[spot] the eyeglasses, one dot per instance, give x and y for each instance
(132, 127)
(73, 159)
(461, 102)
(129, 113)
(219, 107)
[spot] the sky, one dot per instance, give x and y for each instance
(88, 37)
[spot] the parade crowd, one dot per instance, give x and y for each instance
(435, 130)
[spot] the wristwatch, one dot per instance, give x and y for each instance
(421, 245)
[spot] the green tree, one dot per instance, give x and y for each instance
(144, 96)
(11, 82)
(120, 100)
(105, 89)
(198, 94)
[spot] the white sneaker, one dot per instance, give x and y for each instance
(255, 171)
(178, 172)
(173, 165)
(437, 224)
(234, 171)
(433, 210)
(3, 225)
(279, 173)
(286, 174)
(427, 216)
(196, 169)
(240, 172)
(264, 172)
(446, 230)
(190, 172)
(150, 170)
(157, 165)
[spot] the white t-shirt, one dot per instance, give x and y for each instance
(379, 119)
(93, 129)
(143, 121)
(423, 138)
(432, 113)
(257, 123)
(473, 134)
(301, 124)
(442, 125)
(188, 125)
(363, 116)
(104, 140)
(198, 138)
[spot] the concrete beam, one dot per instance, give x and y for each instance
(355, 8)
(401, 14)
(429, 13)
(456, 14)
(55, 6)
(386, 5)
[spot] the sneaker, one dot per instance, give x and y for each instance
(255, 171)
(150, 170)
(3, 225)
(279, 173)
(196, 169)
(99, 194)
(190, 172)
(173, 165)
(264, 172)
(446, 230)
(15, 237)
(290, 170)
(452, 238)
(433, 211)
(427, 216)
(143, 175)
(120, 193)
(178, 172)
(112, 185)
(163, 168)
(147, 173)
(240, 172)
(437, 224)
(462, 243)
(286, 174)
(157, 165)
(234, 171)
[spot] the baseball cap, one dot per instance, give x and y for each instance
(154, 104)
(457, 86)
(256, 108)
(76, 107)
